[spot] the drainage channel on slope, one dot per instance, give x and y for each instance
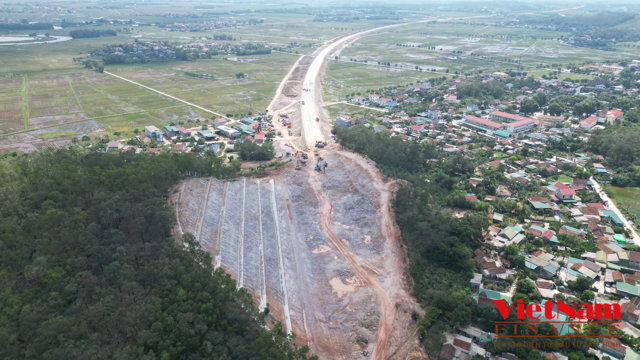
(241, 237)
(263, 282)
(218, 260)
(283, 281)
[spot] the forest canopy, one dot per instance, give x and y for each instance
(89, 268)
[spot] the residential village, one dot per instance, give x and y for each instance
(144, 52)
(554, 233)
(219, 137)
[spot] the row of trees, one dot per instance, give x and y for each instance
(26, 26)
(620, 145)
(88, 33)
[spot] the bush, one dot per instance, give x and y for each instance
(249, 150)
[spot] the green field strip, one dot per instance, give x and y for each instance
(76, 96)
(25, 102)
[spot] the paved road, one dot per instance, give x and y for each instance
(614, 208)
(611, 205)
(312, 96)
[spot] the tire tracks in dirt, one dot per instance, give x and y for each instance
(388, 311)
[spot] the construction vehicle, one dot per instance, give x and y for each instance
(320, 144)
(321, 166)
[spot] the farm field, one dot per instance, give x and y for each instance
(76, 96)
(352, 112)
(627, 198)
(456, 49)
(455, 44)
(45, 100)
(225, 93)
(343, 78)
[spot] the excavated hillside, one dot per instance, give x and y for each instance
(320, 248)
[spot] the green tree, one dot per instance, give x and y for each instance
(585, 107)
(541, 99)
(249, 150)
(89, 265)
(632, 116)
(588, 296)
(529, 106)
(556, 108)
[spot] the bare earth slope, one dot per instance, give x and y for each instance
(320, 249)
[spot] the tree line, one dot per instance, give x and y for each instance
(26, 26)
(86, 33)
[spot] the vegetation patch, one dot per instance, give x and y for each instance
(627, 198)
(49, 135)
(89, 266)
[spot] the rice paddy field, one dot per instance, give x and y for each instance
(46, 99)
(456, 48)
(44, 91)
(69, 97)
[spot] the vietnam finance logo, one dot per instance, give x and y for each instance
(557, 320)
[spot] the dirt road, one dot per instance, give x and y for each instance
(388, 315)
(390, 287)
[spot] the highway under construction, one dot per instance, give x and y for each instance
(315, 241)
(270, 235)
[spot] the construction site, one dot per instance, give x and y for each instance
(323, 284)
(315, 241)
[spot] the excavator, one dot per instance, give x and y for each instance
(321, 165)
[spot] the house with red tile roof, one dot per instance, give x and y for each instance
(589, 123)
(564, 192)
(482, 123)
